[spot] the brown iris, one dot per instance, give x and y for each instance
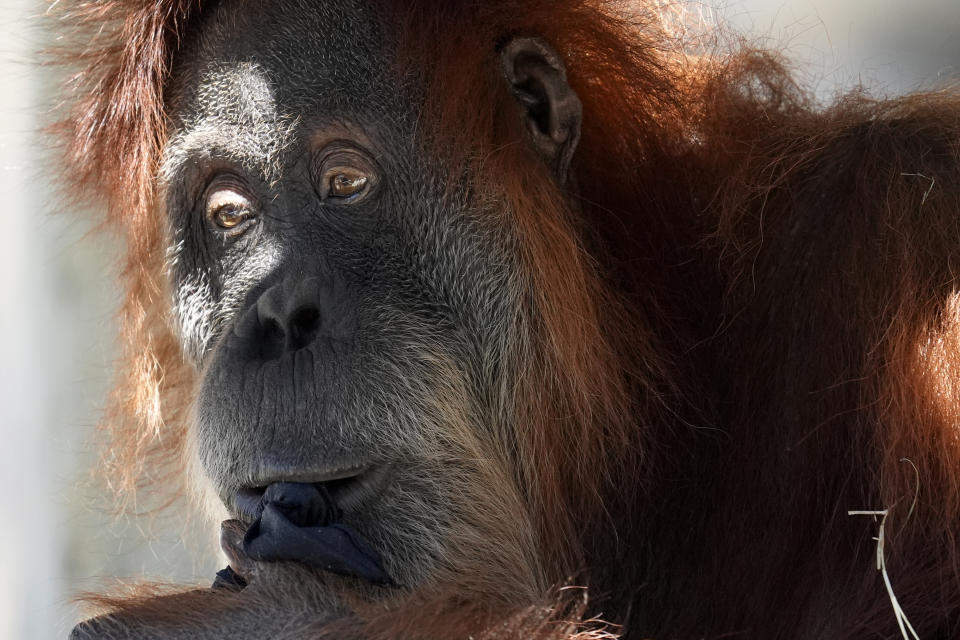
(345, 174)
(346, 184)
(228, 208)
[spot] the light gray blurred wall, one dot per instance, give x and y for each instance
(57, 299)
(30, 572)
(58, 534)
(891, 46)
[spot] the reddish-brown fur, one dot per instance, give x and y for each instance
(708, 379)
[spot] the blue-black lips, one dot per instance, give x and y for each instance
(299, 522)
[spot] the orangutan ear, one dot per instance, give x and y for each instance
(552, 110)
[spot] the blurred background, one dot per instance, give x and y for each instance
(57, 298)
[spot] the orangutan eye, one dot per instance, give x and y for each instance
(346, 184)
(344, 174)
(227, 207)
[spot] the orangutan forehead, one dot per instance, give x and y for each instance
(277, 57)
(253, 84)
(233, 115)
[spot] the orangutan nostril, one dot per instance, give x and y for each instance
(304, 324)
(272, 340)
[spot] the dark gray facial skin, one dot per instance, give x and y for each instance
(335, 335)
(353, 314)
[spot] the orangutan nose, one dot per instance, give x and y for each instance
(287, 331)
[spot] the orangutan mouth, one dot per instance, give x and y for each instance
(348, 489)
(300, 522)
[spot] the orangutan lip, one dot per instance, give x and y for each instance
(348, 488)
(349, 493)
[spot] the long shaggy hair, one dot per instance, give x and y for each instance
(673, 291)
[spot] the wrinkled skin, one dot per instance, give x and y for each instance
(341, 306)
(322, 322)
